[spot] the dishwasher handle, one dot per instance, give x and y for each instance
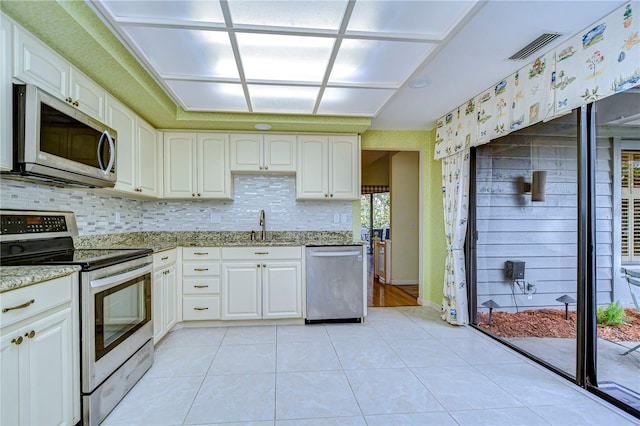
(335, 253)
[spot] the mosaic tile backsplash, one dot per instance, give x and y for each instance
(100, 213)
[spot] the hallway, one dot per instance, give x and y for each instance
(385, 295)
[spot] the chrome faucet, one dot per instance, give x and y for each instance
(263, 223)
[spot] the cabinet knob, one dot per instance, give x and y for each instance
(193, 195)
(76, 103)
(30, 334)
(266, 167)
(264, 266)
(331, 195)
(260, 167)
(198, 194)
(326, 195)
(69, 100)
(258, 265)
(17, 340)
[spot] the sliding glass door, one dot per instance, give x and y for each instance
(554, 231)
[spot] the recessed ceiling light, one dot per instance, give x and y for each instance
(262, 126)
(420, 83)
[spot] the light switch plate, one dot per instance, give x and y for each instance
(343, 218)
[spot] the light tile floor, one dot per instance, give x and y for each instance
(404, 366)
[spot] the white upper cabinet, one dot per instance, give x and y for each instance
(254, 152)
(328, 167)
(195, 165)
(6, 95)
(138, 161)
(36, 63)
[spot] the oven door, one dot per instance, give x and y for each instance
(116, 319)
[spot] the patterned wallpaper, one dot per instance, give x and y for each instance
(96, 213)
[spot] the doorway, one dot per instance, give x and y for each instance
(387, 216)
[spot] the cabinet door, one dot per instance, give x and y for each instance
(50, 370)
(179, 174)
(157, 302)
(282, 290)
(147, 159)
(6, 96)
(37, 64)
(344, 173)
(241, 296)
(86, 95)
(10, 378)
(123, 121)
(246, 153)
(312, 174)
(280, 153)
(171, 298)
(214, 179)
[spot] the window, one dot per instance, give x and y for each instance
(630, 206)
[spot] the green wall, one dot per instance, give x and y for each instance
(434, 247)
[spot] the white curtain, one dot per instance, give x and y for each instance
(455, 188)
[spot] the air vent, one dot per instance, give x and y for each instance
(534, 46)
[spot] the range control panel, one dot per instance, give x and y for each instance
(32, 224)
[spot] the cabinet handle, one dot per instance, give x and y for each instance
(201, 269)
(69, 100)
(200, 309)
(17, 340)
(261, 252)
(30, 334)
(167, 272)
(164, 258)
(200, 286)
(76, 103)
(24, 305)
(200, 253)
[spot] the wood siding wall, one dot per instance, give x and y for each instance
(543, 234)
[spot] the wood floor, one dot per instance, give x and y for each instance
(379, 294)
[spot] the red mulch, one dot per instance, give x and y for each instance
(551, 323)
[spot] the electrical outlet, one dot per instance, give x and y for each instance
(336, 218)
(343, 218)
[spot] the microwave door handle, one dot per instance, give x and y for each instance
(112, 150)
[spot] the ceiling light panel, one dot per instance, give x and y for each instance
(184, 10)
(353, 102)
(374, 62)
(209, 96)
(179, 52)
(268, 57)
(324, 15)
(430, 19)
(283, 99)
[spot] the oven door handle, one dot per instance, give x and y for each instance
(114, 280)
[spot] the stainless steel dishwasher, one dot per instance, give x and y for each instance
(335, 283)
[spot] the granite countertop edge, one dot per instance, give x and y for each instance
(14, 277)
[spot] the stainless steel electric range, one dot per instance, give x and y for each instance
(116, 328)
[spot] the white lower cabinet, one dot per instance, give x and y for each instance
(200, 283)
(39, 354)
(164, 294)
(261, 282)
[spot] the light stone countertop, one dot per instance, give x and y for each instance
(13, 277)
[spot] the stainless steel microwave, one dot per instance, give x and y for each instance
(54, 141)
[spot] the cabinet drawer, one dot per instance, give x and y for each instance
(201, 285)
(201, 268)
(196, 308)
(36, 298)
(164, 258)
(200, 253)
(259, 253)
